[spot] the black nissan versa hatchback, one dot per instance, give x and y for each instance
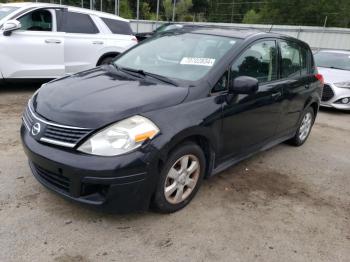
(145, 130)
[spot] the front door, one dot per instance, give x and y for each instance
(34, 51)
(251, 120)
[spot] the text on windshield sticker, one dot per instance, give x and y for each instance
(197, 61)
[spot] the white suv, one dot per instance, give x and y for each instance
(44, 41)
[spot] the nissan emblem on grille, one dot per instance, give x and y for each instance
(36, 129)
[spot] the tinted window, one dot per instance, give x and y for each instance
(40, 20)
(304, 60)
(78, 23)
(291, 59)
(118, 27)
(259, 61)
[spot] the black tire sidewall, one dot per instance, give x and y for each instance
(159, 202)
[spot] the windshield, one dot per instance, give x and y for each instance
(6, 10)
(333, 60)
(185, 56)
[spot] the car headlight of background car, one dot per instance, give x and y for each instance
(343, 84)
(121, 137)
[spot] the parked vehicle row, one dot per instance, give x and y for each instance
(184, 105)
(46, 41)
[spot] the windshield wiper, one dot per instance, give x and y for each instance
(145, 73)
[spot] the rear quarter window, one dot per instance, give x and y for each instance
(118, 27)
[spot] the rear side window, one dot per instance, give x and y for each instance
(291, 59)
(78, 23)
(118, 27)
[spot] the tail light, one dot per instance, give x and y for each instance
(320, 78)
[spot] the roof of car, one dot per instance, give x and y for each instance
(233, 32)
(72, 8)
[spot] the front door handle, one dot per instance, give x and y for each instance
(97, 42)
(277, 94)
(52, 41)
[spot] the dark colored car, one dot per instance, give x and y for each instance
(164, 27)
(145, 130)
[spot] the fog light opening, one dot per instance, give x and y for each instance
(345, 100)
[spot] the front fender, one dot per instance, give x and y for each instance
(200, 118)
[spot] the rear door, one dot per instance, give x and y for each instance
(296, 74)
(36, 50)
(249, 121)
(82, 43)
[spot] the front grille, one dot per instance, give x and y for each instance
(327, 94)
(65, 135)
(53, 133)
(57, 180)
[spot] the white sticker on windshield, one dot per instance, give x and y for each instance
(197, 61)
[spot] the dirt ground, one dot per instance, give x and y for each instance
(287, 204)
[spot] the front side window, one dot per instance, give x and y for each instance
(291, 59)
(185, 56)
(79, 23)
(39, 20)
(259, 61)
(118, 27)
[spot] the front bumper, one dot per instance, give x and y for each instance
(113, 184)
(338, 94)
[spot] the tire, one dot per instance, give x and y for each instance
(304, 128)
(106, 60)
(175, 180)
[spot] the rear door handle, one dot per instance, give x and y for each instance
(97, 42)
(277, 94)
(52, 41)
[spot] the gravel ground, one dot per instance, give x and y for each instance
(286, 204)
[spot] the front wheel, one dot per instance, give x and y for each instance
(180, 178)
(304, 129)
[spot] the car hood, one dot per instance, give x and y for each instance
(331, 75)
(101, 96)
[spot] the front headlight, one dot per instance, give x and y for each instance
(343, 84)
(121, 137)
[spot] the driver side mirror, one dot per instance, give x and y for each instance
(244, 85)
(10, 26)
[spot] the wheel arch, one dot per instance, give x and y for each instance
(201, 138)
(109, 54)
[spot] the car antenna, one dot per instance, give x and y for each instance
(271, 28)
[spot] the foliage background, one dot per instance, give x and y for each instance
(291, 12)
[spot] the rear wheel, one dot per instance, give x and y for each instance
(304, 129)
(180, 178)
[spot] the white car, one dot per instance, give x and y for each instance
(45, 41)
(334, 65)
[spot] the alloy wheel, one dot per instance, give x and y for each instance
(305, 126)
(182, 179)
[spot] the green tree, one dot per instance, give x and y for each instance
(145, 11)
(251, 17)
